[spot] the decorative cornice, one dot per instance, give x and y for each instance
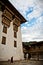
(14, 11)
(16, 22)
(5, 21)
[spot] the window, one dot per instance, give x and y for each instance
(5, 29)
(15, 44)
(3, 40)
(15, 28)
(15, 34)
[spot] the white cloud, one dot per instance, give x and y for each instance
(34, 32)
(39, 4)
(24, 28)
(22, 6)
(36, 13)
(26, 23)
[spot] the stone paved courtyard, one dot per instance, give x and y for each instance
(24, 62)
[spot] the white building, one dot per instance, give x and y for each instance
(10, 32)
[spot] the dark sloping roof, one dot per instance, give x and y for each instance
(32, 43)
(14, 10)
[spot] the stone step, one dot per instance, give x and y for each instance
(24, 62)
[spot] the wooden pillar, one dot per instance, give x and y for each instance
(37, 56)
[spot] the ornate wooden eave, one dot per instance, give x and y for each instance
(13, 11)
(5, 21)
(16, 22)
(7, 16)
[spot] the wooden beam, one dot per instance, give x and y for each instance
(5, 21)
(16, 22)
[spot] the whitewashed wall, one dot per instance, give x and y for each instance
(8, 50)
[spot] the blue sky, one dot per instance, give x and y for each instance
(32, 10)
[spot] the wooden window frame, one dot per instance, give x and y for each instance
(15, 28)
(15, 34)
(5, 29)
(3, 40)
(15, 43)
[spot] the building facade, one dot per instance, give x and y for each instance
(10, 32)
(34, 50)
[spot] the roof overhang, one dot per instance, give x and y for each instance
(14, 10)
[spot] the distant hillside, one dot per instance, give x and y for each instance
(31, 43)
